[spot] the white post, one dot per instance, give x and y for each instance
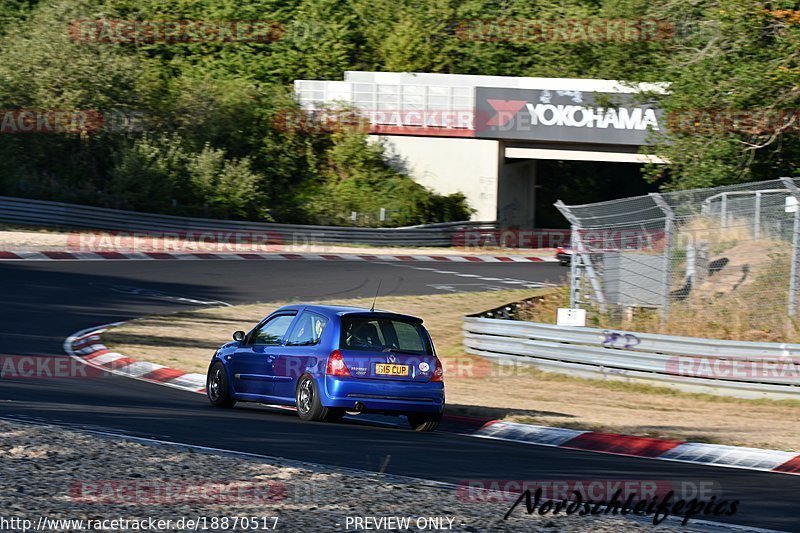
(793, 281)
(574, 284)
(723, 211)
(757, 222)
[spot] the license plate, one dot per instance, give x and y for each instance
(383, 369)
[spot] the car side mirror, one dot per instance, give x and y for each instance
(238, 336)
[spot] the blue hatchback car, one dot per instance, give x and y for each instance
(331, 360)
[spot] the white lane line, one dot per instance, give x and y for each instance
(450, 287)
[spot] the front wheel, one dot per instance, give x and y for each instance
(217, 387)
(424, 421)
(309, 405)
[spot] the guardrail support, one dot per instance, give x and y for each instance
(793, 281)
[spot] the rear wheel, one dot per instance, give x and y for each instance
(309, 404)
(424, 421)
(217, 387)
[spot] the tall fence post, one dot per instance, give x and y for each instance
(574, 282)
(793, 281)
(579, 253)
(669, 226)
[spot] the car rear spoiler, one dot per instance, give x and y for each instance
(382, 314)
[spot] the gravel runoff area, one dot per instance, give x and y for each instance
(51, 473)
(17, 238)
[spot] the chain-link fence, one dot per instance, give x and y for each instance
(719, 262)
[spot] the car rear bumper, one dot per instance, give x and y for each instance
(380, 395)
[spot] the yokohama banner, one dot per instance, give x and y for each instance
(565, 116)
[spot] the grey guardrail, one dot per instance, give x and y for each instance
(44, 213)
(731, 368)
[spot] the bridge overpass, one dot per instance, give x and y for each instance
(489, 136)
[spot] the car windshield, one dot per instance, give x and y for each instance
(384, 334)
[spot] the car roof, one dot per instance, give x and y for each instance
(344, 310)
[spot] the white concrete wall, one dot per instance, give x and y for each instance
(449, 165)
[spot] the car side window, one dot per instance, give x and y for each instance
(308, 330)
(273, 331)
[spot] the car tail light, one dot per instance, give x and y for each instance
(438, 373)
(336, 366)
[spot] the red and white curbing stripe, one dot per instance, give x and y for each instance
(231, 256)
(662, 449)
(87, 346)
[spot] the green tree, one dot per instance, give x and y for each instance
(734, 92)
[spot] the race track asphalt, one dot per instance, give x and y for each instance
(44, 302)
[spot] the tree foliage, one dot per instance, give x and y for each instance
(734, 94)
(209, 136)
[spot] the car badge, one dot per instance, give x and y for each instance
(392, 358)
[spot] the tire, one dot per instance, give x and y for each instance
(424, 421)
(309, 405)
(218, 389)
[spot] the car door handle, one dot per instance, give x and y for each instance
(270, 358)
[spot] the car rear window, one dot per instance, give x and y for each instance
(372, 333)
